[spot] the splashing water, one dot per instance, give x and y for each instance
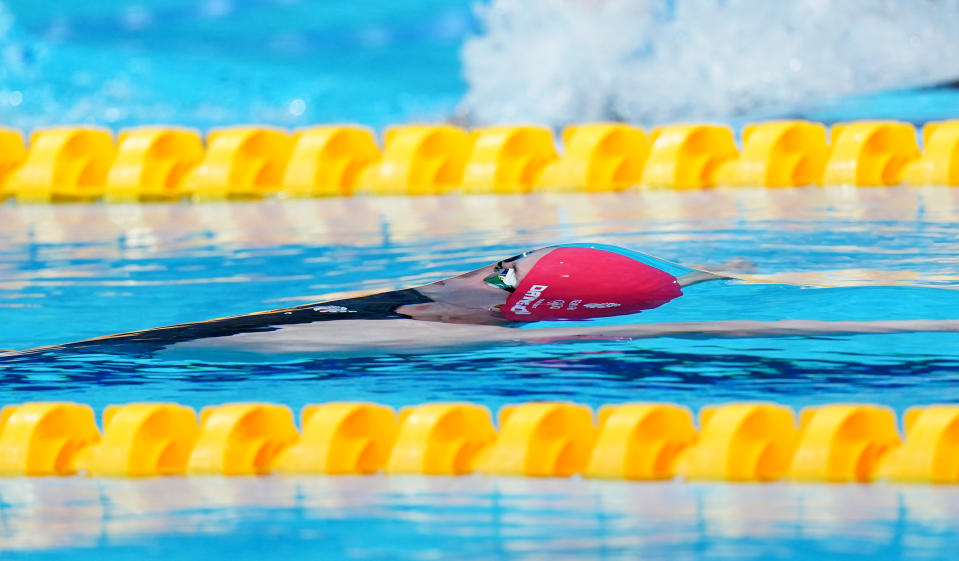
(650, 61)
(291, 64)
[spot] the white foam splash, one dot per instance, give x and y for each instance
(649, 61)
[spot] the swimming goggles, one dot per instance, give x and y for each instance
(505, 278)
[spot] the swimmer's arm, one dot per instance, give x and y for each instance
(696, 277)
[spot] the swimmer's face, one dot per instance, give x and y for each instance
(468, 298)
(473, 290)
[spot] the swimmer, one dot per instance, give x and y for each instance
(560, 283)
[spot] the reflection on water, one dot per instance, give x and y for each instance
(69, 272)
(895, 370)
(112, 268)
(357, 220)
(478, 517)
(76, 271)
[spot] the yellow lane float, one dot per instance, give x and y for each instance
(736, 442)
(163, 163)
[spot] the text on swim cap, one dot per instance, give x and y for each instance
(521, 307)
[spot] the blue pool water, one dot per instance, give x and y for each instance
(75, 271)
(294, 63)
(69, 272)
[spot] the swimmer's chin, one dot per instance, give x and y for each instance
(446, 313)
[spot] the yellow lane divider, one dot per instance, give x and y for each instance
(151, 164)
(755, 442)
(63, 163)
(417, 160)
(939, 164)
(870, 153)
(688, 156)
(507, 159)
(240, 162)
(597, 157)
(780, 154)
(326, 161)
(169, 163)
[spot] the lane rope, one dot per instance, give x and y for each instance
(746, 442)
(163, 163)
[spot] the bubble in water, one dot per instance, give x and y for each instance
(649, 61)
(297, 107)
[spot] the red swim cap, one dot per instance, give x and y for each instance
(584, 283)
